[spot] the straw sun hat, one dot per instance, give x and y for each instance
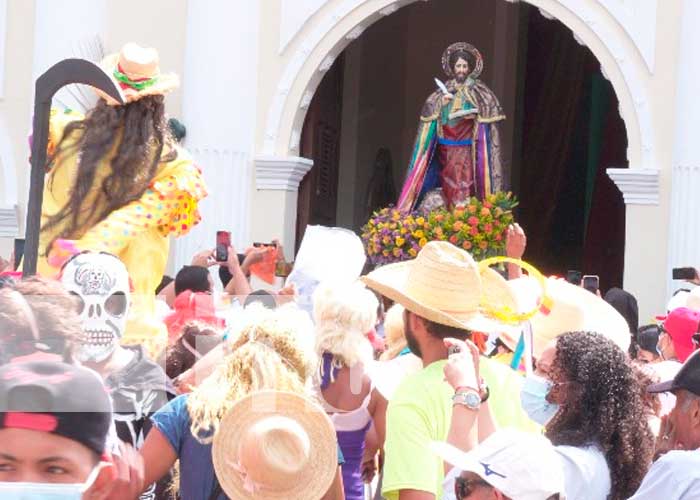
(136, 72)
(572, 308)
(274, 445)
(445, 285)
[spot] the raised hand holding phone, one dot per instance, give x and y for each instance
(462, 368)
(223, 242)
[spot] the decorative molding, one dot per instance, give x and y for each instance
(638, 186)
(9, 222)
(306, 99)
(389, 9)
(355, 33)
(294, 141)
(281, 173)
(546, 14)
(327, 63)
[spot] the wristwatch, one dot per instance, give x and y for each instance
(469, 398)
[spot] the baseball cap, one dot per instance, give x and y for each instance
(55, 397)
(681, 324)
(688, 378)
(518, 464)
(648, 337)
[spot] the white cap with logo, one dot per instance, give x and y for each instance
(522, 466)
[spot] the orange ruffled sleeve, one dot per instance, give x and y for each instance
(169, 205)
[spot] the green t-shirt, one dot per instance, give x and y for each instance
(420, 412)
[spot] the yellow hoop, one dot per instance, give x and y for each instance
(506, 314)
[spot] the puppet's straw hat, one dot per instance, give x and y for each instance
(275, 445)
(136, 72)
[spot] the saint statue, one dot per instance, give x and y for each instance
(458, 147)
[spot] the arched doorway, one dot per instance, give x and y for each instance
(559, 107)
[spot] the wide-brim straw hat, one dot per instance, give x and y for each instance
(258, 443)
(136, 72)
(445, 285)
(572, 308)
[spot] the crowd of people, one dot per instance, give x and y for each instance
(434, 378)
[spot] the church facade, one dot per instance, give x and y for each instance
(250, 72)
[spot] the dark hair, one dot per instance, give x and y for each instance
(602, 407)
(648, 337)
(461, 54)
(165, 281)
(137, 134)
(443, 331)
(194, 278)
(263, 297)
(199, 337)
(55, 313)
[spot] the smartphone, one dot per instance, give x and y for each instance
(682, 273)
(19, 251)
(574, 277)
(260, 245)
(453, 349)
(591, 283)
(223, 241)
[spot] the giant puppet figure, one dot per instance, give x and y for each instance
(117, 182)
(458, 145)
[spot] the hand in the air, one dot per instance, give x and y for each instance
(446, 99)
(205, 258)
(516, 241)
(462, 368)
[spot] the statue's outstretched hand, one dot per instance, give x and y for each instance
(446, 99)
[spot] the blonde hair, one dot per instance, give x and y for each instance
(344, 314)
(272, 350)
(394, 331)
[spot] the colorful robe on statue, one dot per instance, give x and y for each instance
(137, 233)
(458, 146)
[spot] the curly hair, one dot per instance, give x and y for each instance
(602, 406)
(133, 137)
(270, 352)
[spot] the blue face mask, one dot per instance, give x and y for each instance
(41, 491)
(533, 398)
(46, 491)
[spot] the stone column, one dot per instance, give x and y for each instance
(219, 84)
(684, 240)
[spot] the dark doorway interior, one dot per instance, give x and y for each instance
(565, 126)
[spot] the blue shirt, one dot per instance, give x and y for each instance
(197, 477)
(196, 467)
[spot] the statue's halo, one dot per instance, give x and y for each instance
(479, 60)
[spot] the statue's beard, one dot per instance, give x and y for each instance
(461, 78)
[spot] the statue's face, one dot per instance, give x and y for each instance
(461, 70)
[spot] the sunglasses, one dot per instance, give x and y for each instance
(465, 487)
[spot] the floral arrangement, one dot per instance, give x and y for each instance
(477, 226)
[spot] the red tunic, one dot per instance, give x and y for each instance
(457, 161)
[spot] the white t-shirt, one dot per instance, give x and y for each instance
(586, 473)
(675, 476)
(666, 370)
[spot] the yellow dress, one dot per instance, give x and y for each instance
(137, 233)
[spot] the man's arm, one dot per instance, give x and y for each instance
(415, 495)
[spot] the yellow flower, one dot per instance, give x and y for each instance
(397, 252)
(420, 221)
(386, 240)
(400, 241)
(403, 230)
(412, 252)
(423, 242)
(419, 234)
(385, 253)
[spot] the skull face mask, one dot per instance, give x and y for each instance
(101, 282)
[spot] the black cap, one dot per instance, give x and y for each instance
(58, 398)
(648, 337)
(687, 378)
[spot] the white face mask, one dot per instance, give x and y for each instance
(47, 491)
(101, 281)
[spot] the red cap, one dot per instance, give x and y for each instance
(681, 324)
